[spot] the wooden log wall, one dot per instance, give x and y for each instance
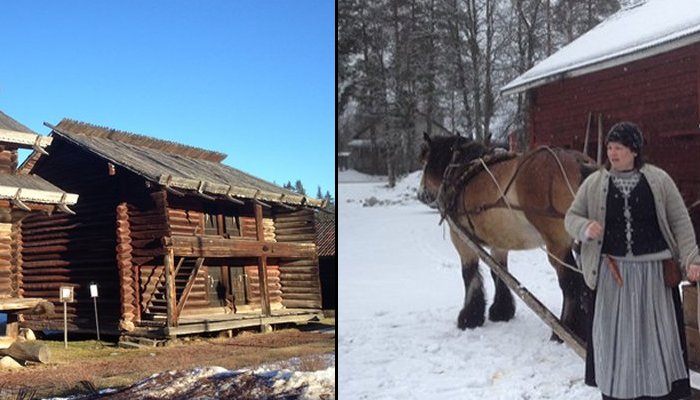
(17, 274)
(128, 283)
(9, 275)
(6, 267)
(8, 160)
(147, 224)
(273, 283)
(74, 250)
(299, 279)
(248, 231)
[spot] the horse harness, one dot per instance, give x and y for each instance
(457, 176)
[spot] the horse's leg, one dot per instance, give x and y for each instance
(472, 313)
(503, 307)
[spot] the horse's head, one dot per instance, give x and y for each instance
(436, 154)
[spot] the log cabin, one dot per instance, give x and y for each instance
(177, 242)
(641, 64)
(21, 196)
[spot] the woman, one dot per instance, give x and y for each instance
(630, 217)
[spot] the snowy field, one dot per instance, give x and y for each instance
(400, 293)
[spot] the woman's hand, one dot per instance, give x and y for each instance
(594, 230)
(693, 272)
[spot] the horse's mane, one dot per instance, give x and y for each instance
(467, 158)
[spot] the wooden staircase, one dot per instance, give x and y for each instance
(155, 305)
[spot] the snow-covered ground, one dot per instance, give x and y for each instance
(279, 380)
(400, 293)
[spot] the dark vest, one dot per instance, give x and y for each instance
(646, 234)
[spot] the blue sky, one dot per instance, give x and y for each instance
(252, 79)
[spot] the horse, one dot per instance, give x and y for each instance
(507, 201)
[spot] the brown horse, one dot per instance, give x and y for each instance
(509, 202)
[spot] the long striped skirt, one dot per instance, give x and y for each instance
(637, 343)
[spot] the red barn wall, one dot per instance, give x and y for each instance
(659, 93)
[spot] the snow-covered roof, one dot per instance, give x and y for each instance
(633, 33)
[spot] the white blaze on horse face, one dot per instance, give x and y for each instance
(620, 156)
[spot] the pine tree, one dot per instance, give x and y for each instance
(299, 188)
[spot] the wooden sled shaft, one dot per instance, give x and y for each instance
(530, 300)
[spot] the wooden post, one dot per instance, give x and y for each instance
(12, 327)
(599, 158)
(170, 288)
(588, 133)
(262, 264)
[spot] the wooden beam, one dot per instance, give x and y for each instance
(19, 304)
(253, 320)
(24, 140)
(216, 247)
(262, 264)
(37, 196)
(170, 288)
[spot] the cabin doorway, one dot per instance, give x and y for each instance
(216, 287)
(239, 283)
(227, 286)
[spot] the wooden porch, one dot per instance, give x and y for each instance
(222, 321)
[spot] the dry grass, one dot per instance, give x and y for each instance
(86, 365)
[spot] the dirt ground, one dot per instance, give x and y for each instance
(88, 365)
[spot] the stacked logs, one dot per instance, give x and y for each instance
(17, 274)
(186, 222)
(248, 230)
(299, 279)
(72, 250)
(273, 284)
(127, 282)
(6, 268)
(8, 160)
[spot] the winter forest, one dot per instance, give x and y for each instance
(406, 67)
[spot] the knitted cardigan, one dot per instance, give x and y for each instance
(674, 221)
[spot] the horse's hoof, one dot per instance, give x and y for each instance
(501, 313)
(467, 320)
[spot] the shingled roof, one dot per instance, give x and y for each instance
(10, 124)
(174, 165)
(33, 189)
(30, 188)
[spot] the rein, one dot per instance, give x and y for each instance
(505, 200)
